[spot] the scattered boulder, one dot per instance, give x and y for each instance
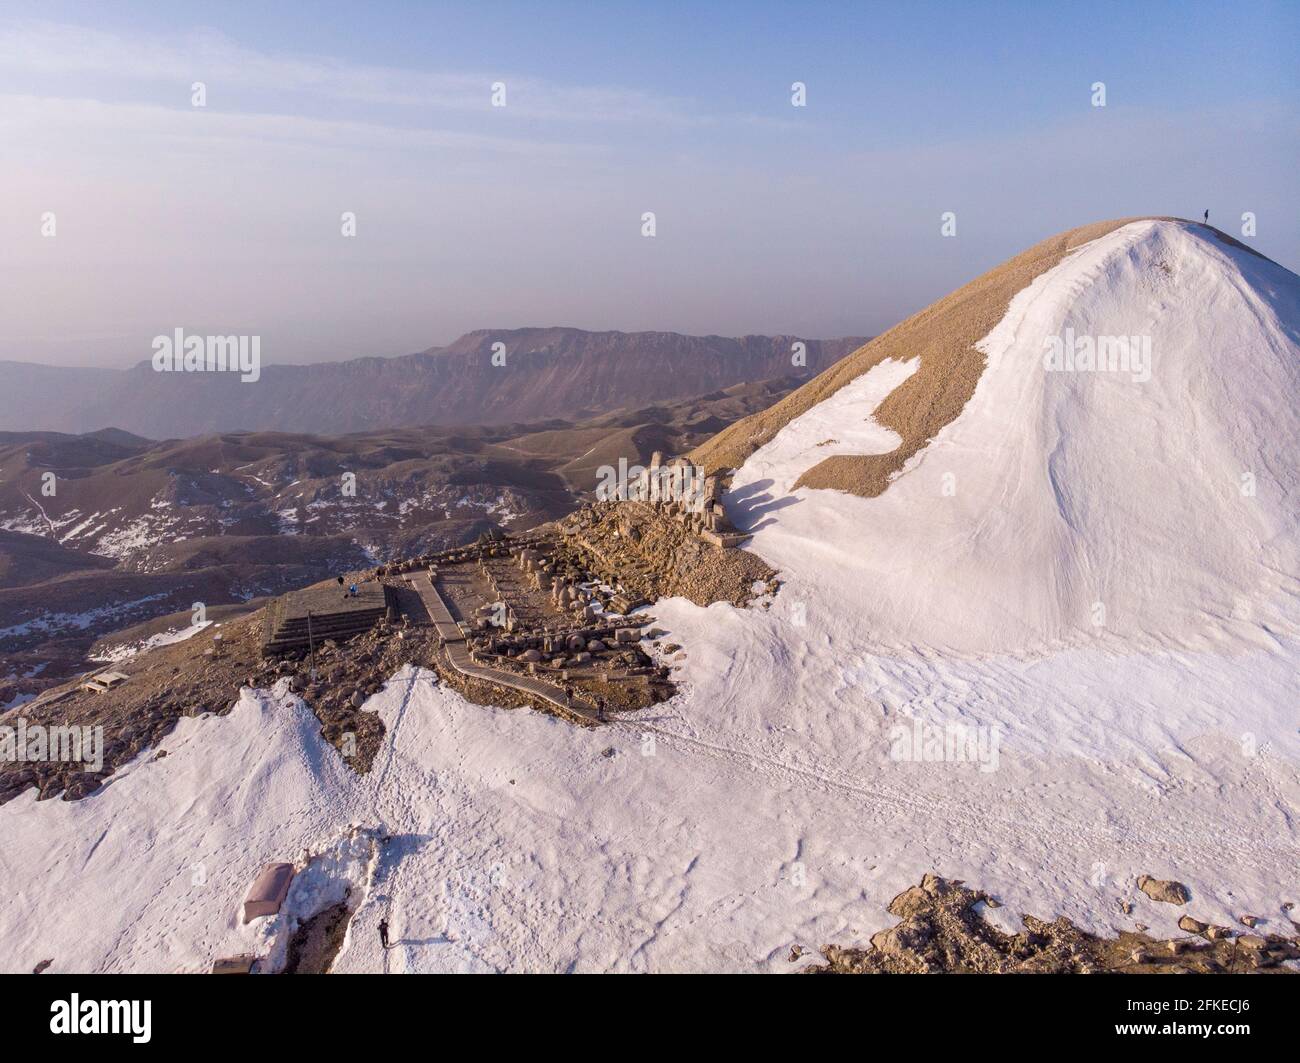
(917, 899)
(86, 782)
(901, 943)
(1166, 891)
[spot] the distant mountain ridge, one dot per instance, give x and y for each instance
(548, 372)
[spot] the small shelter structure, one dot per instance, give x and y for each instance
(268, 891)
(241, 964)
(102, 681)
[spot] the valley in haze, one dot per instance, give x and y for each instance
(534, 374)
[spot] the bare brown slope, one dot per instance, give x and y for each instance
(943, 335)
(27, 559)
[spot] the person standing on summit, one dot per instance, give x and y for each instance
(1207, 217)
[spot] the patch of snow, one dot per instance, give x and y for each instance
(287, 521)
(125, 651)
(1046, 511)
(52, 622)
(721, 833)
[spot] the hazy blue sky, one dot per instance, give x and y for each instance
(817, 221)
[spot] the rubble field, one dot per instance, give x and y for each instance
(942, 929)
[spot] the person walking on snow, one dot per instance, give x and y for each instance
(383, 932)
(1207, 217)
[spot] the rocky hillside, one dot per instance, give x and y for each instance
(942, 929)
(104, 532)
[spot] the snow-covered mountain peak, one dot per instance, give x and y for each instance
(1124, 466)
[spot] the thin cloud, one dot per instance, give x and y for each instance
(45, 116)
(45, 48)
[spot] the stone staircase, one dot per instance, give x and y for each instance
(320, 613)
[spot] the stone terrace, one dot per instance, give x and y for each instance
(324, 611)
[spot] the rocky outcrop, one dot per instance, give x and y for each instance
(1166, 891)
(941, 929)
(648, 554)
